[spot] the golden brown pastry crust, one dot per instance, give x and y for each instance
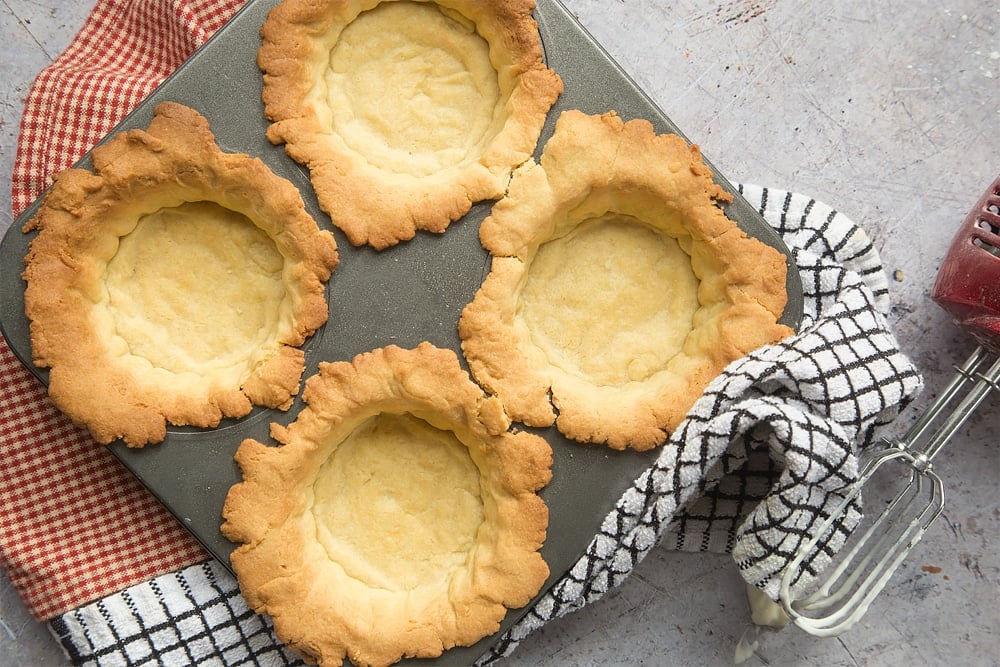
(95, 377)
(595, 166)
(371, 202)
(319, 606)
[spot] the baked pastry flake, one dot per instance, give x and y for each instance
(397, 518)
(404, 112)
(618, 288)
(172, 283)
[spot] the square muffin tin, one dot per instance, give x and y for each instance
(406, 294)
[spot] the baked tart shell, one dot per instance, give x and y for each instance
(172, 283)
(404, 113)
(398, 516)
(618, 288)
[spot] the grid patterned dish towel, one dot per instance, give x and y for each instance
(764, 453)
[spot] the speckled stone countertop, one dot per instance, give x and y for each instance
(887, 111)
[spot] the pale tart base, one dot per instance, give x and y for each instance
(586, 302)
(398, 504)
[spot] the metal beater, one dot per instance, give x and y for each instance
(968, 287)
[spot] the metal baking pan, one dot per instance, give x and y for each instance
(403, 295)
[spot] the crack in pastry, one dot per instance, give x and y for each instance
(397, 517)
(618, 289)
(173, 283)
(405, 112)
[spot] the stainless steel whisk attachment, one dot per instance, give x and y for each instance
(968, 287)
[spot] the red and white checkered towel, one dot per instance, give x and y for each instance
(74, 524)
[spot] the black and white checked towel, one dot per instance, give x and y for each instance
(756, 466)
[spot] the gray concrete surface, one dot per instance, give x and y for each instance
(890, 112)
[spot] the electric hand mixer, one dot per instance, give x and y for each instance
(968, 287)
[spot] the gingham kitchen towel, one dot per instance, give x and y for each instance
(762, 455)
(125, 49)
(74, 525)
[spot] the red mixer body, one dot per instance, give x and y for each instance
(968, 282)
